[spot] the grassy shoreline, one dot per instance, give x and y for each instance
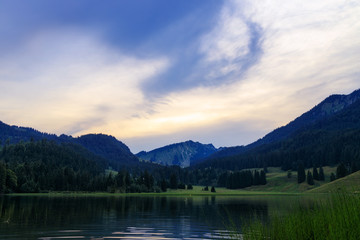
(336, 217)
(197, 191)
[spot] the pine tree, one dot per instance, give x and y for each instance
(321, 174)
(315, 174)
(213, 189)
(341, 171)
(2, 177)
(148, 180)
(354, 167)
(309, 178)
(181, 186)
(163, 185)
(128, 179)
(332, 177)
(263, 178)
(173, 181)
(301, 173)
(256, 178)
(11, 180)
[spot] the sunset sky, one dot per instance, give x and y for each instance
(155, 72)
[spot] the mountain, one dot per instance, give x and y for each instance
(326, 135)
(327, 108)
(105, 146)
(182, 154)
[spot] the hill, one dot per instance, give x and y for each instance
(350, 183)
(46, 165)
(108, 147)
(14, 134)
(181, 154)
(105, 146)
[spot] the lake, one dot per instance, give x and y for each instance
(126, 217)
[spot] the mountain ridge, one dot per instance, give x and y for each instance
(325, 141)
(182, 154)
(328, 107)
(105, 146)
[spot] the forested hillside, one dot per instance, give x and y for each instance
(324, 110)
(46, 165)
(114, 151)
(328, 141)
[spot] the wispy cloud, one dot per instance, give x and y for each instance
(309, 50)
(62, 78)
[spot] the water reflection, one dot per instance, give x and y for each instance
(129, 217)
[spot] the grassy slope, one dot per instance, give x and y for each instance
(350, 183)
(197, 191)
(277, 181)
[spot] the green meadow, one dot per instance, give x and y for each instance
(335, 215)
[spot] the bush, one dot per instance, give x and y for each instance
(189, 187)
(134, 188)
(29, 187)
(157, 189)
(181, 186)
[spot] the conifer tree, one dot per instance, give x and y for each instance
(256, 178)
(332, 177)
(263, 178)
(321, 174)
(354, 167)
(213, 189)
(2, 177)
(163, 185)
(309, 178)
(341, 171)
(301, 173)
(173, 181)
(315, 174)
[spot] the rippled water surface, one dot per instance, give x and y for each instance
(131, 217)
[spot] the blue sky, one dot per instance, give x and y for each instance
(155, 72)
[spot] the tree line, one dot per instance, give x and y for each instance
(42, 166)
(242, 179)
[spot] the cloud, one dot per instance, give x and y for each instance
(232, 46)
(309, 50)
(64, 77)
(262, 64)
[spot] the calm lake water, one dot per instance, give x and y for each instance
(133, 217)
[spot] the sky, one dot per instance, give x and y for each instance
(156, 72)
